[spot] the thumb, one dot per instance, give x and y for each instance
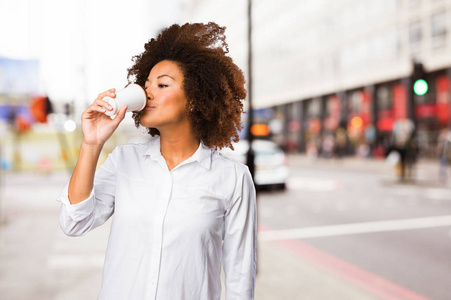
(120, 115)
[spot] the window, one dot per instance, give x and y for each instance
(314, 108)
(355, 101)
(384, 98)
(438, 25)
(415, 32)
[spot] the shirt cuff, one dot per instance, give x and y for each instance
(78, 211)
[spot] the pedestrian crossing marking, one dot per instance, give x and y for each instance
(355, 228)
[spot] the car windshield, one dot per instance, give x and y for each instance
(266, 151)
(261, 148)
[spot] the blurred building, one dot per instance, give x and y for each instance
(63, 50)
(343, 69)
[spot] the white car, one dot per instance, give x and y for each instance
(270, 162)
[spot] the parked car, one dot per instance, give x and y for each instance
(270, 162)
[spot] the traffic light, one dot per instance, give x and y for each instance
(420, 84)
(40, 107)
(260, 130)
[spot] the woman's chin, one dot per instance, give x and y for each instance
(147, 125)
(145, 122)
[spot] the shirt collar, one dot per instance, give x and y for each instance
(153, 148)
(202, 154)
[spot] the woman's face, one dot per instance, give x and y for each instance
(166, 100)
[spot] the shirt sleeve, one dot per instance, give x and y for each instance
(78, 219)
(240, 242)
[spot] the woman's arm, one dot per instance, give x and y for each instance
(240, 242)
(97, 129)
(82, 180)
(97, 207)
(83, 206)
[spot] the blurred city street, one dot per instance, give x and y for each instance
(347, 110)
(396, 245)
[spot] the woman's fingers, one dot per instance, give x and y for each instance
(99, 109)
(110, 93)
(93, 111)
(102, 103)
(99, 105)
(120, 115)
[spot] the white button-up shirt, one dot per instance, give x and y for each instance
(171, 229)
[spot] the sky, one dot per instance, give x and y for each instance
(83, 47)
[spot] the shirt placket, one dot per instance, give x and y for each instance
(158, 236)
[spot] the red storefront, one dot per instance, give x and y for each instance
(359, 115)
(443, 100)
(393, 107)
(333, 113)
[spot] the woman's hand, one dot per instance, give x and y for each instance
(98, 127)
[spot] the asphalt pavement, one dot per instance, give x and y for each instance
(37, 261)
(358, 220)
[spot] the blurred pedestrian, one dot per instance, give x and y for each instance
(363, 150)
(412, 151)
(444, 153)
(400, 166)
(180, 207)
(312, 149)
(402, 137)
(328, 146)
(341, 142)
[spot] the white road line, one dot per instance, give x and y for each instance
(355, 228)
(312, 184)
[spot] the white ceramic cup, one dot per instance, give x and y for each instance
(133, 95)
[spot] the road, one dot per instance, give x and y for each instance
(342, 231)
(392, 239)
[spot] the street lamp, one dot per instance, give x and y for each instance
(250, 157)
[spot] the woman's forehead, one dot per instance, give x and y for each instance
(165, 68)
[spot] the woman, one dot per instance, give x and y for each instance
(180, 208)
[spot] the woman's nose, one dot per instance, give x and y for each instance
(149, 94)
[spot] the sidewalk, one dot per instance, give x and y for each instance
(425, 171)
(37, 261)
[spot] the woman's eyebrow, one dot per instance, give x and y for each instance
(166, 76)
(163, 75)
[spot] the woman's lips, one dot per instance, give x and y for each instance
(149, 107)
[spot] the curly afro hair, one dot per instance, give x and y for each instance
(213, 84)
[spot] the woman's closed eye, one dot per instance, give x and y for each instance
(161, 85)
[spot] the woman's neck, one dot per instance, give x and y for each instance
(177, 147)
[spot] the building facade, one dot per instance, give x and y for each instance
(343, 69)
